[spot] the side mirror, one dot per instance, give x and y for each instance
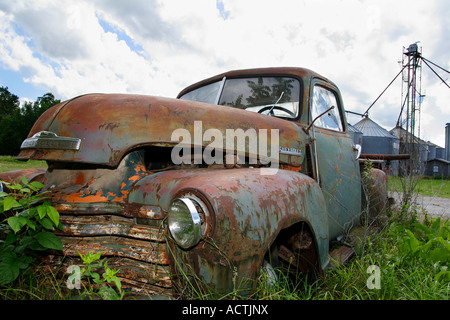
(358, 149)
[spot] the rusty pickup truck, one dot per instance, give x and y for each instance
(244, 172)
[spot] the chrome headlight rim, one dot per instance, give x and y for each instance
(177, 231)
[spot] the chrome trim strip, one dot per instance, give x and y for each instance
(50, 140)
(291, 151)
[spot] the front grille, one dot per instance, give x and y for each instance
(134, 245)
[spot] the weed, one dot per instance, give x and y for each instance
(94, 285)
(26, 229)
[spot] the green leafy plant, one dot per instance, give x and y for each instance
(26, 229)
(96, 285)
(430, 243)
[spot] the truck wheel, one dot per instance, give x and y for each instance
(294, 254)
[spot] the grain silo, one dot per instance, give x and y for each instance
(355, 134)
(376, 140)
(447, 142)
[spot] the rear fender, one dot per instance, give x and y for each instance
(375, 194)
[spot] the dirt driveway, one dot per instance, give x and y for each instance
(438, 207)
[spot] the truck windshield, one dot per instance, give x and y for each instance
(275, 96)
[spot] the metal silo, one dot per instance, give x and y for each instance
(355, 134)
(447, 142)
(376, 140)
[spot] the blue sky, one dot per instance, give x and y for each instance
(158, 47)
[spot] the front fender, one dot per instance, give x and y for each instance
(250, 210)
(32, 174)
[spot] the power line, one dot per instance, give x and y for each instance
(435, 64)
(367, 111)
(425, 61)
(365, 114)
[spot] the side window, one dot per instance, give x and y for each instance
(323, 99)
(206, 94)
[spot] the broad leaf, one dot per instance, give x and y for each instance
(108, 293)
(49, 240)
(53, 215)
(10, 203)
(47, 224)
(36, 185)
(42, 211)
(16, 223)
(8, 272)
(24, 181)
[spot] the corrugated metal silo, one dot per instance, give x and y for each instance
(431, 151)
(355, 134)
(447, 142)
(440, 153)
(376, 139)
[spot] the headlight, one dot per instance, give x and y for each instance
(184, 222)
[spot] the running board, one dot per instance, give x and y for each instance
(340, 255)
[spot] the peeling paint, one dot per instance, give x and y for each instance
(114, 193)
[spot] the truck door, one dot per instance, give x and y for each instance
(338, 169)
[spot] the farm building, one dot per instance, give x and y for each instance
(432, 159)
(438, 161)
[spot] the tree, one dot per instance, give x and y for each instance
(260, 93)
(16, 121)
(9, 103)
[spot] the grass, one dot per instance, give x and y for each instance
(9, 163)
(427, 186)
(403, 273)
(402, 276)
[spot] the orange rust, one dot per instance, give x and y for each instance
(338, 169)
(81, 197)
(79, 179)
(291, 168)
(140, 168)
(134, 178)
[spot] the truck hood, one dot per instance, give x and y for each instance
(102, 128)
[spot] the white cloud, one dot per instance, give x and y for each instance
(159, 46)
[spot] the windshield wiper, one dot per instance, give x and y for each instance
(270, 111)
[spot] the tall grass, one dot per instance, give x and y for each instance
(401, 277)
(402, 274)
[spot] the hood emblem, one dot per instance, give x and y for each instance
(50, 140)
(291, 151)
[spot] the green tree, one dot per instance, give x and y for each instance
(284, 87)
(260, 93)
(9, 103)
(16, 121)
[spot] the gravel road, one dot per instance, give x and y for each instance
(438, 207)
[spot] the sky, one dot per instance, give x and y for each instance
(158, 47)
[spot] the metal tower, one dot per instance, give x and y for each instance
(412, 97)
